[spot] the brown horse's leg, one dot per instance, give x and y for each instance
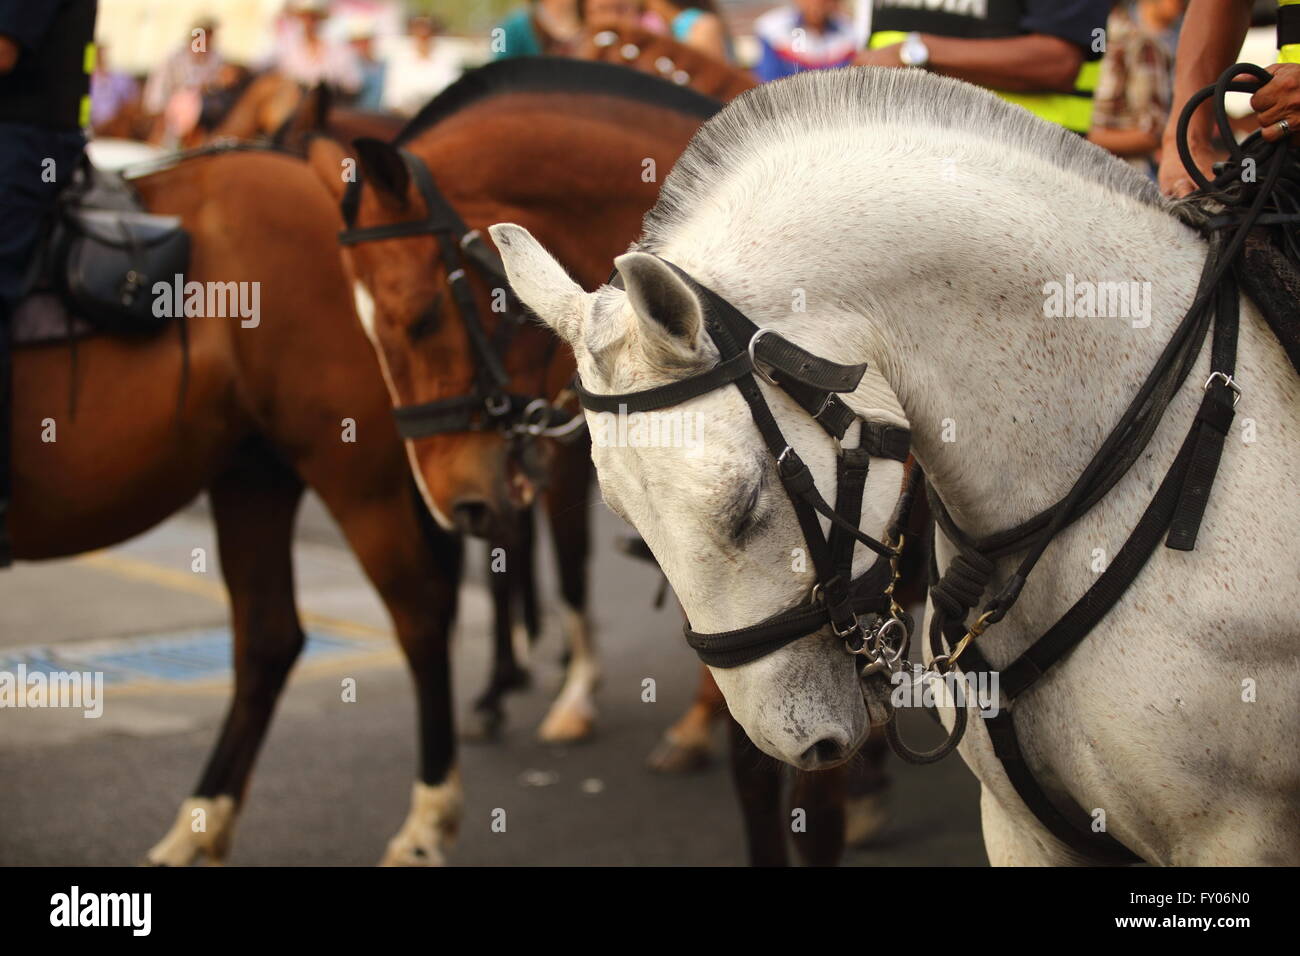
(758, 779)
(866, 810)
(523, 588)
(573, 714)
(820, 795)
(254, 502)
(509, 560)
(687, 744)
(416, 569)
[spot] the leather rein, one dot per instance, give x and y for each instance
(490, 405)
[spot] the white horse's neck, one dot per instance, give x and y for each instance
(935, 275)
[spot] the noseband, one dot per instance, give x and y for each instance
(490, 405)
(837, 600)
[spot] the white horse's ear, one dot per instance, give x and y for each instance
(539, 280)
(661, 298)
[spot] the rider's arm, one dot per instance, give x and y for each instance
(1212, 35)
(1032, 63)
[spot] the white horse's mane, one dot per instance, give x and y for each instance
(775, 115)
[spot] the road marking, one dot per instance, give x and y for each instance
(197, 660)
(136, 569)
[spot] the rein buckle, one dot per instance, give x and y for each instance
(753, 359)
(1227, 380)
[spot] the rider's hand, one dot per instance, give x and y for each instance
(1172, 176)
(1278, 99)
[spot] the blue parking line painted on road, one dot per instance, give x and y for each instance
(176, 657)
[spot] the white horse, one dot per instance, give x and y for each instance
(917, 224)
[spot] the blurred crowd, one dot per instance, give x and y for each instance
(1117, 89)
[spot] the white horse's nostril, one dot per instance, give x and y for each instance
(825, 752)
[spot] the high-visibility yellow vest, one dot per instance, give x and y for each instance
(1288, 29)
(89, 61)
(1071, 110)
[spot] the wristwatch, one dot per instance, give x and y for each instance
(913, 51)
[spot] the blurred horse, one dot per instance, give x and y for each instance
(635, 127)
(264, 412)
(642, 49)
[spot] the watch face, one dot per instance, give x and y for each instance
(913, 52)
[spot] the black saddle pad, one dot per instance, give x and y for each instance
(1272, 280)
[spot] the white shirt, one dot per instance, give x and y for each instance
(412, 80)
(330, 62)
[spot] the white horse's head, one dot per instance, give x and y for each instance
(699, 484)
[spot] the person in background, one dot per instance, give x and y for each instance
(1135, 87)
(696, 23)
(111, 91)
(614, 12)
(308, 57)
(46, 56)
(361, 37)
(174, 92)
(419, 68)
(1043, 55)
(807, 35)
(543, 27)
(224, 92)
(1212, 35)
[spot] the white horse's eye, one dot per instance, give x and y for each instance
(750, 514)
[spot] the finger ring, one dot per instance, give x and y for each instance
(1283, 127)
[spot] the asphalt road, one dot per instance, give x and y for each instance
(333, 780)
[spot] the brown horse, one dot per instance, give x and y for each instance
(420, 337)
(265, 105)
(266, 411)
(632, 45)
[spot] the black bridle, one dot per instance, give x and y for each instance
(837, 599)
(490, 405)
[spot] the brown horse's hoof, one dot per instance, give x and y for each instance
(516, 678)
(201, 834)
(675, 756)
(865, 818)
(566, 725)
(483, 726)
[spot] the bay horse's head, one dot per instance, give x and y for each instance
(700, 480)
(423, 297)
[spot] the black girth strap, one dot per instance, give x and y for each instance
(746, 351)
